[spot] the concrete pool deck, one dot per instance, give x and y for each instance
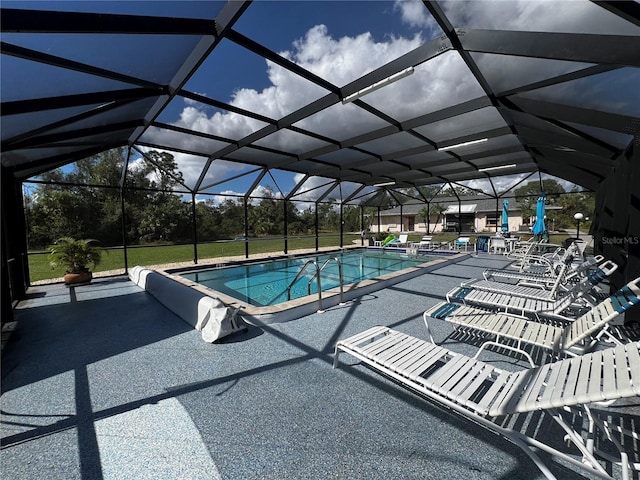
(102, 381)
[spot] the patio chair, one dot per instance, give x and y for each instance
(425, 242)
(573, 254)
(498, 244)
(461, 243)
(497, 399)
(581, 293)
(538, 292)
(576, 337)
(535, 254)
(547, 276)
(401, 241)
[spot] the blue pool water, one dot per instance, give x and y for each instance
(265, 284)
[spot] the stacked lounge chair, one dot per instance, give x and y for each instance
(527, 300)
(546, 277)
(533, 255)
(549, 268)
(539, 292)
(577, 336)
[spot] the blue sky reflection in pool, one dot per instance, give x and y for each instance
(265, 284)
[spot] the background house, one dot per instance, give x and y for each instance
(470, 214)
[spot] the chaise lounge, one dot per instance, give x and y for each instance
(538, 292)
(488, 396)
(577, 336)
(527, 300)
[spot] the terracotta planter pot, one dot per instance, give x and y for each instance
(76, 278)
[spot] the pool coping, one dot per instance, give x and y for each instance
(299, 307)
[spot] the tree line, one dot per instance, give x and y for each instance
(570, 203)
(85, 201)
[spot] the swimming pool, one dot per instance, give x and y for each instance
(270, 283)
(260, 288)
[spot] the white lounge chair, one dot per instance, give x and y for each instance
(532, 254)
(540, 292)
(545, 277)
(550, 262)
(425, 242)
(549, 267)
(484, 394)
(401, 241)
(579, 335)
(579, 293)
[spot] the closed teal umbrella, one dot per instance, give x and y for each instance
(505, 216)
(539, 229)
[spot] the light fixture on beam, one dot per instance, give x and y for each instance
(375, 86)
(465, 144)
(499, 167)
(384, 184)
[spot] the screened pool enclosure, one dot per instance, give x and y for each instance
(328, 120)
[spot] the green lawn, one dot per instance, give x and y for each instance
(113, 259)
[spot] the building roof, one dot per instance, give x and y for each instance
(470, 204)
(555, 97)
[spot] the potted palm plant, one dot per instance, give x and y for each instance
(77, 256)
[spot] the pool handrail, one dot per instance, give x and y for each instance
(318, 280)
(302, 270)
(326, 262)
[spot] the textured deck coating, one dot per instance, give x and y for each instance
(101, 381)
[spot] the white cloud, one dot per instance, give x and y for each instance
(340, 61)
(310, 191)
(262, 191)
(221, 198)
(414, 13)
(569, 16)
(189, 101)
(501, 183)
(505, 184)
(344, 60)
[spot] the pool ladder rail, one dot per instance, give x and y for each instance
(316, 276)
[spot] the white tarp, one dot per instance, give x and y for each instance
(209, 315)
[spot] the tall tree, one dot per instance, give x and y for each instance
(424, 215)
(329, 218)
(267, 218)
(574, 202)
(82, 200)
(439, 210)
(528, 194)
(231, 214)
